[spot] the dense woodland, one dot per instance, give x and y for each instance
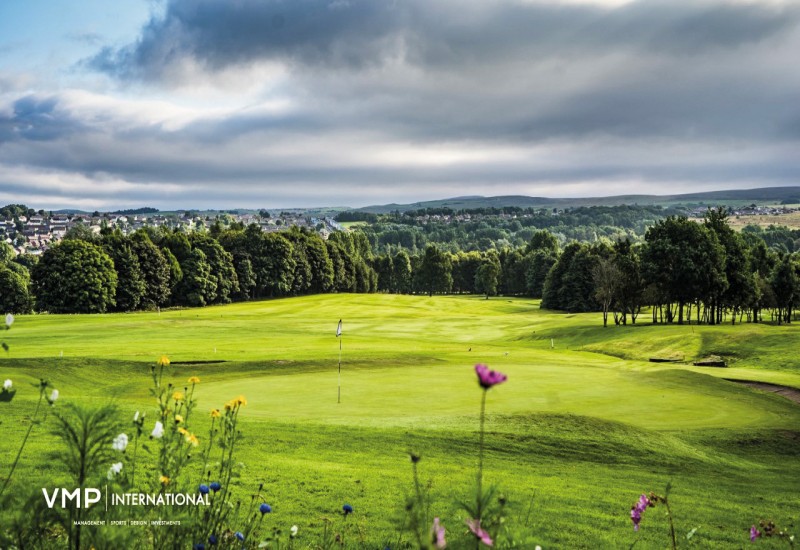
(680, 271)
(484, 229)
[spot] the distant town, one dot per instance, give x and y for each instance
(36, 231)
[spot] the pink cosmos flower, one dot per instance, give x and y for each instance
(437, 532)
(475, 526)
(488, 378)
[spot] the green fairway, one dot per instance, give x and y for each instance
(583, 426)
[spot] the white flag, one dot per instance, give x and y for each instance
(339, 329)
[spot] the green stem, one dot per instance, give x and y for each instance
(479, 509)
(24, 441)
(480, 457)
(133, 462)
(671, 525)
(419, 525)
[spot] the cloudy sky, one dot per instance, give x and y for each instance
(270, 103)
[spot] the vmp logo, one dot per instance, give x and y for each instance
(77, 498)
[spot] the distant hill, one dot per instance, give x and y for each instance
(732, 197)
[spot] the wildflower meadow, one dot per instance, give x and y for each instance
(431, 423)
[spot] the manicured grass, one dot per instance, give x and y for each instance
(574, 436)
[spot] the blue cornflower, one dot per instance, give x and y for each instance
(265, 508)
(239, 535)
(215, 486)
(204, 489)
(212, 540)
(347, 509)
(199, 546)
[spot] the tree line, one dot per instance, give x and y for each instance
(682, 271)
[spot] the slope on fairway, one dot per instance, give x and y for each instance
(582, 428)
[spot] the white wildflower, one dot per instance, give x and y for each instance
(7, 384)
(120, 443)
(158, 431)
(9, 320)
(53, 396)
(293, 531)
(115, 469)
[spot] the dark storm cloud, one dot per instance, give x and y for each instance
(362, 33)
(34, 118)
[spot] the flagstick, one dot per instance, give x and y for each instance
(339, 395)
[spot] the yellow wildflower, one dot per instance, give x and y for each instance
(163, 361)
(193, 440)
(215, 413)
(240, 400)
(183, 431)
(194, 380)
(178, 419)
(177, 396)
(229, 405)
(164, 480)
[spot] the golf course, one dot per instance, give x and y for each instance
(582, 427)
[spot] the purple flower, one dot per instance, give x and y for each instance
(204, 489)
(239, 535)
(212, 540)
(636, 516)
(754, 533)
(347, 509)
(437, 534)
(475, 526)
(215, 486)
(199, 546)
(637, 510)
(265, 508)
(488, 378)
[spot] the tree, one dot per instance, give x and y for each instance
(435, 272)
(554, 281)
(512, 276)
(544, 241)
(741, 287)
(14, 294)
(784, 283)
(245, 275)
(6, 252)
(275, 265)
(198, 286)
(487, 276)
(175, 271)
(687, 263)
(401, 272)
(465, 266)
(577, 293)
(539, 264)
(312, 254)
(606, 277)
(383, 267)
(631, 288)
(155, 271)
(131, 285)
(221, 264)
(74, 277)
(344, 278)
